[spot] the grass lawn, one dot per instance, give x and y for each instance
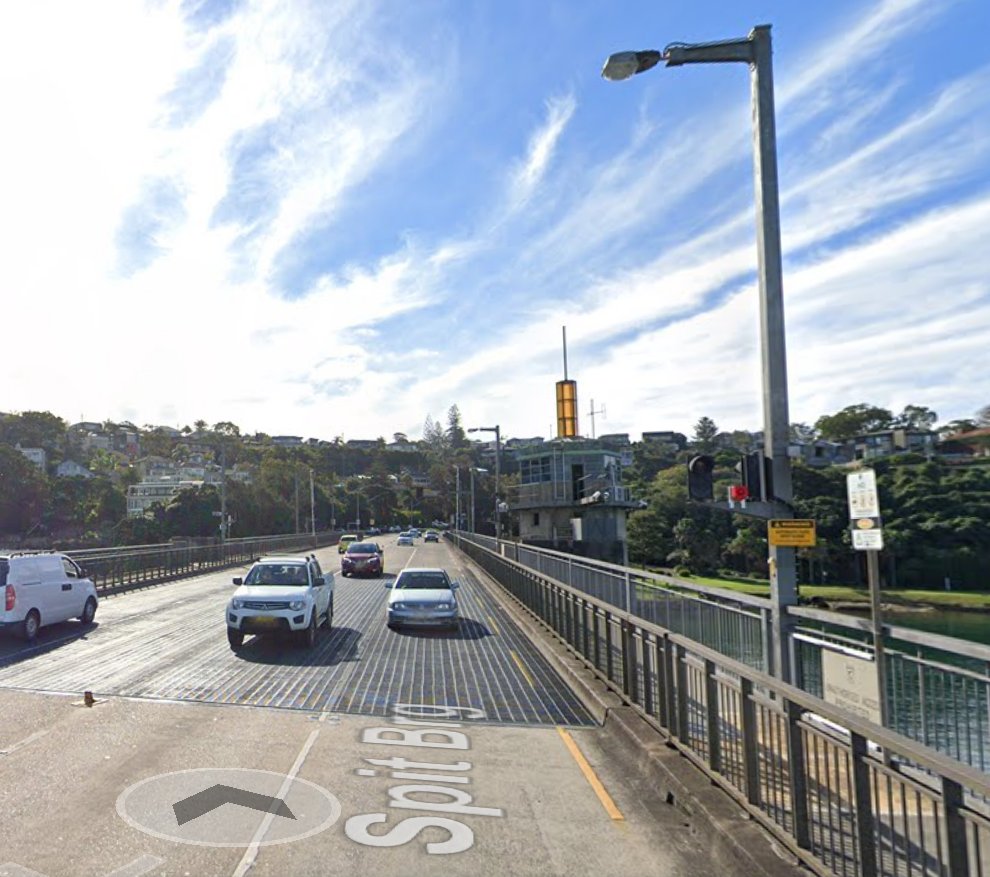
(846, 593)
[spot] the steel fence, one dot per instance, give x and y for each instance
(846, 796)
(124, 567)
(937, 687)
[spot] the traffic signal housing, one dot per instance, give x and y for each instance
(701, 486)
(756, 475)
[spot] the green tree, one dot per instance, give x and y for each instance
(705, 431)
(23, 492)
(853, 420)
(916, 417)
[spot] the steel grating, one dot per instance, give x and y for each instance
(169, 643)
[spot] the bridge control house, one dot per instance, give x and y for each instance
(571, 499)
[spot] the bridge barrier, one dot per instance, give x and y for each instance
(937, 687)
(845, 795)
(124, 567)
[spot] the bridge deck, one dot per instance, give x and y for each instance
(168, 642)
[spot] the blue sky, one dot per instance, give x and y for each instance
(338, 218)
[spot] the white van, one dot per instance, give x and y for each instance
(40, 589)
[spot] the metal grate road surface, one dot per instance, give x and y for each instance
(169, 642)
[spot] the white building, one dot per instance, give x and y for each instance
(143, 495)
(38, 456)
(72, 469)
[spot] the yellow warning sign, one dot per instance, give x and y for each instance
(796, 533)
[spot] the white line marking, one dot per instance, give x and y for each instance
(141, 865)
(23, 742)
(251, 853)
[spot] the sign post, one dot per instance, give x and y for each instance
(867, 535)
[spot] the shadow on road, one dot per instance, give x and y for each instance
(467, 629)
(336, 647)
(13, 649)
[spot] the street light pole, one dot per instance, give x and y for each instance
(457, 497)
(497, 519)
(756, 51)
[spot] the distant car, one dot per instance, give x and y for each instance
(405, 539)
(422, 596)
(346, 540)
(431, 536)
(363, 559)
(281, 594)
(373, 531)
(415, 532)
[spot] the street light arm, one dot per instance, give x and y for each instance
(723, 51)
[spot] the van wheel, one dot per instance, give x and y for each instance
(89, 612)
(30, 626)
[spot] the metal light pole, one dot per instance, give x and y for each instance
(457, 497)
(472, 515)
(755, 50)
(312, 505)
(497, 519)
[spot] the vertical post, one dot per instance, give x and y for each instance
(296, 476)
(312, 505)
(866, 830)
(471, 516)
(457, 498)
(776, 425)
(223, 492)
(873, 576)
(497, 520)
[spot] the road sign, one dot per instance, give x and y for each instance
(868, 540)
(796, 533)
(861, 487)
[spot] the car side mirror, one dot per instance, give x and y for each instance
(454, 585)
(238, 580)
(388, 585)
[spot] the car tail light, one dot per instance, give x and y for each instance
(9, 598)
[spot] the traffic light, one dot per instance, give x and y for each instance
(755, 473)
(700, 486)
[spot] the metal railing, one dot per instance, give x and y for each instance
(123, 567)
(846, 796)
(937, 687)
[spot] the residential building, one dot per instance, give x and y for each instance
(38, 456)
(142, 496)
(72, 469)
(883, 443)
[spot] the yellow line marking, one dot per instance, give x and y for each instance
(591, 776)
(522, 668)
(491, 624)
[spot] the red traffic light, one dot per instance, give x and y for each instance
(738, 493)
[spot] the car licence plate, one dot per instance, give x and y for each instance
(263, 619)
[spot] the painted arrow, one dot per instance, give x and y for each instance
(216, 796)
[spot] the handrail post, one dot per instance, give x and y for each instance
(796, 770)
(865, 829)
(750, 741)
(712, 715)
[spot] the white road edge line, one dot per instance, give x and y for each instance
(141, 865)
(251, 853)
(24, 742)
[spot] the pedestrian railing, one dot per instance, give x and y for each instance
(847, 796)
(124, 567)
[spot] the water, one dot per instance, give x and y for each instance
(974, 626)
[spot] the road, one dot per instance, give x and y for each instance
(378, 752)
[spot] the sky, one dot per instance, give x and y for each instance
(341, 217)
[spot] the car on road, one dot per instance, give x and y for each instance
(422, 596)
(40, 588)
(346, 540)
(281, 594)
(363, 559)
(431, 536)
(405, 538)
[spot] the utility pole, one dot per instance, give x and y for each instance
(592, 414)
(296, 475)
(223, 492)
(312, 505)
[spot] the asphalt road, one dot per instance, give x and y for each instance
(378, 752)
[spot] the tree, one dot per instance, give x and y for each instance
(983, 416)
(916, 417)
(23, 492)
(705, 431)
(455, 435)
(853, 420)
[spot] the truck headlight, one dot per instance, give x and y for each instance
(296, 605)
(236, 604)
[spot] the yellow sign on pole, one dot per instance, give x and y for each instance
(792, 533)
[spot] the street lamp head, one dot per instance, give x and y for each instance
(623, 65)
